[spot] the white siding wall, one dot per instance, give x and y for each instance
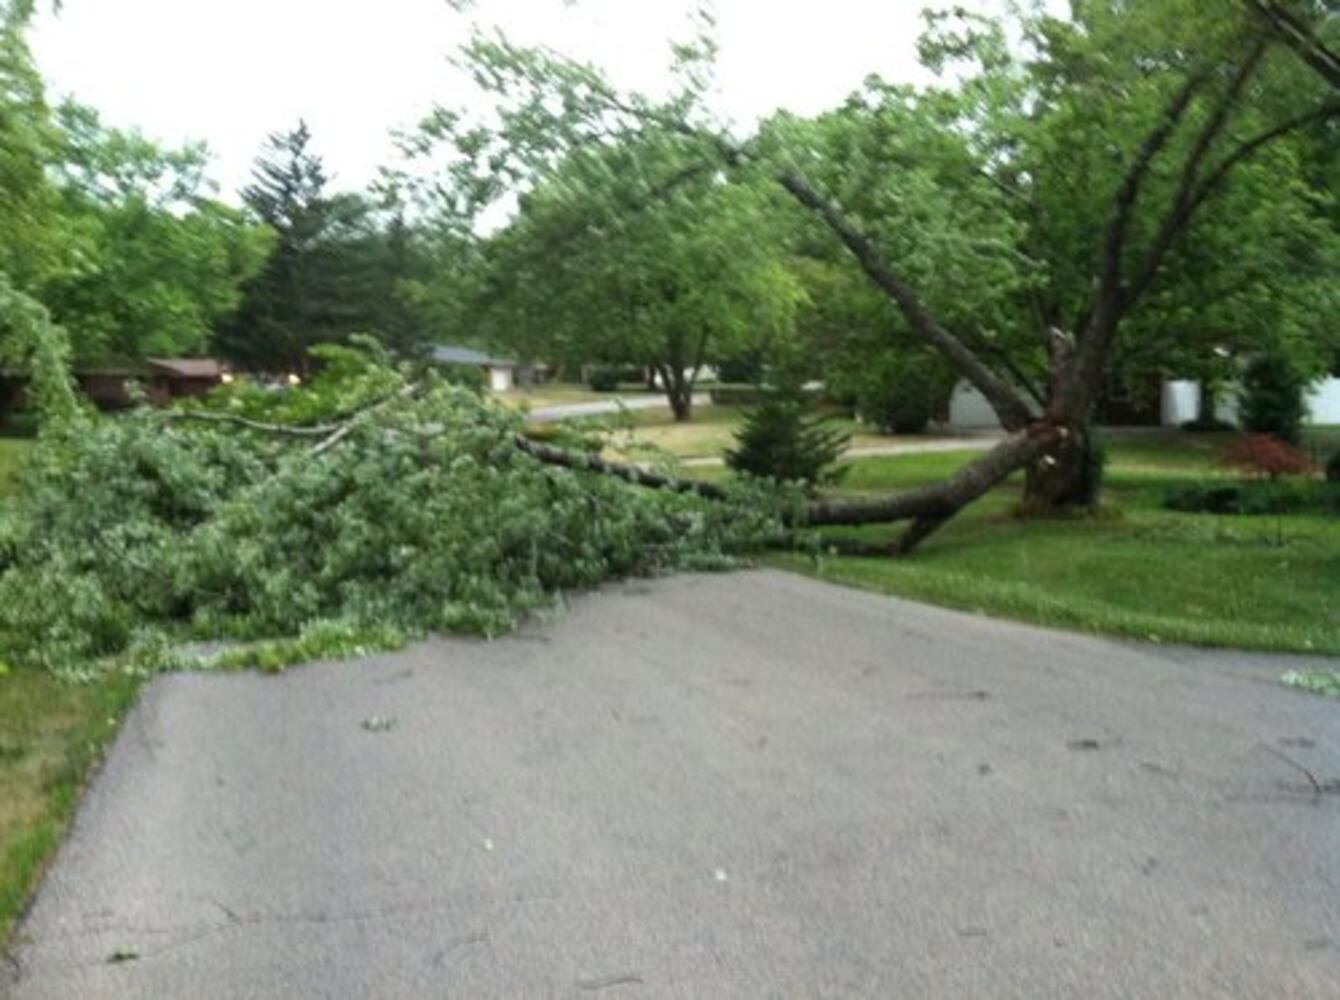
(1323, 402)
(500, 379)
(969, 410)
(1180, 403)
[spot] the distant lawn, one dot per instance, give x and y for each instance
(1135, 570)
(559, 393)
(710, 434)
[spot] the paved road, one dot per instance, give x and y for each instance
(753, 785)
(608, 407)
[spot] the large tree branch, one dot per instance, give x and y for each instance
(1183, 205)
(232, 420)
(1075, 392)
(1213, 180)
(945, 498)
(1299, 37)
(587, 462)
(1128, 194)
(1013, 411)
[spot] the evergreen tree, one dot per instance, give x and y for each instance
(287, 306)
(341, 264)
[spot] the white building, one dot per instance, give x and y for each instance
(499, 373)
(1180, 402)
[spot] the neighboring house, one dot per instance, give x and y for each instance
(1178, 402)
(115, 385)
(499, 373)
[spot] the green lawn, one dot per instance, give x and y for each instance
(559, 393)
(710, 434)
(1134, 570)
(51, 733)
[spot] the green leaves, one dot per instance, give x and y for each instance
(139, 530)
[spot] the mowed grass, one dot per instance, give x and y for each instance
(710, 434)
(51, 733)
(560, 393)
(1133, 570)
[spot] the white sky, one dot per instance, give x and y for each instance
(231, 71)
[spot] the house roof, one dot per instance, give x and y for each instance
(188, 367)
(453, 354)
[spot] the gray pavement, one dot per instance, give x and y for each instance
(752, 785)
(608, 407)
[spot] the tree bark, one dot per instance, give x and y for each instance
(679, 391)
(944, 499)
(1061, 479)
(586, 462)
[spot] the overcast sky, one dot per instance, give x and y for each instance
(231, 71)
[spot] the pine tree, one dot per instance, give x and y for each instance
(286, 309)
(783, 438)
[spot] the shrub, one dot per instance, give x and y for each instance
(1333, 469)
(1264, 455)
(783, 439)
(1208, 425)
(1252, 499)
(747, 369)
(1272, 401)
(604, 379)
(901, 391)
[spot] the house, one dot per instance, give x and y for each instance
(1172, 403)
(116, 385)
(499, 373)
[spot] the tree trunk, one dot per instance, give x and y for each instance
(679, 390)
(1064, 478)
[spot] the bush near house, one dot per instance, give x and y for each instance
(1267, 456)
(1272, 401)
(1257, 498)
(901, 391)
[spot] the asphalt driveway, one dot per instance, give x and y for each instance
(751, 785)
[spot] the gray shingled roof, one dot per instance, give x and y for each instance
(452, 354)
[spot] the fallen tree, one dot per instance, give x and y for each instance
(1134, 119)
(400, 505)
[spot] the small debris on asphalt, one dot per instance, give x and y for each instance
(719, 875)
(119, 956)
(378, 724)
(605, 982)
(1083, 745)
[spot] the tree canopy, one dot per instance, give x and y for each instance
(121, 240)
(1073, 192)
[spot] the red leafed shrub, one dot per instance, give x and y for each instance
(1268, 456)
